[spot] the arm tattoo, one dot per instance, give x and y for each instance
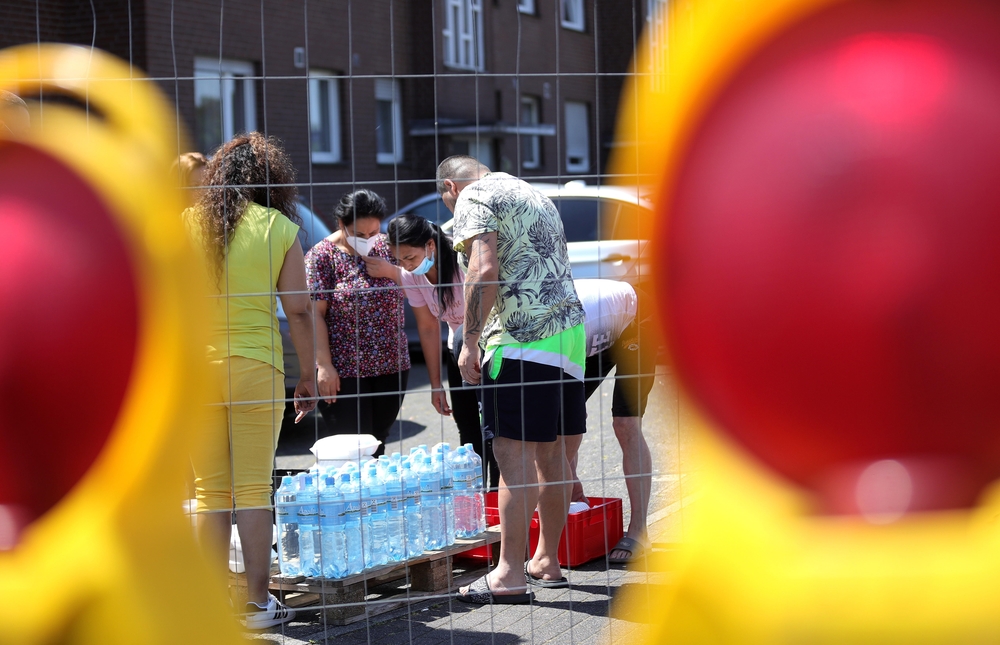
(474, 314)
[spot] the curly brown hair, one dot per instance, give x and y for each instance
(249, 168)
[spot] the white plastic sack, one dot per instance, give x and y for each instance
(335, 450)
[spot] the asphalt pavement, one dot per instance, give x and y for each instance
(584, 613)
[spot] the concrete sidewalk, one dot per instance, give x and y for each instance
(580, 614)
(584, 613)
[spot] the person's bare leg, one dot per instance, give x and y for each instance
(555, 486)
(516, 502)
(638, 468)
(255, 537)
(213, 530)
(573, 443)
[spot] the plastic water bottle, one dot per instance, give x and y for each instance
(411, 510)
(431, 506)
(383, 466)
(373, 494)
(396, 521)
(331, 524)
(310, 541)
(479, 489)
(350, 489)
(464, 478)
(443, 469)
(287, 510)
(417, 455)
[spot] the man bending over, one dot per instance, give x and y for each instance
(617, 320)
(524, 342)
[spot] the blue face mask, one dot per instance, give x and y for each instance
(425, 266)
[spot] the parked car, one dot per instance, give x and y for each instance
(602, 225)
(429, 207)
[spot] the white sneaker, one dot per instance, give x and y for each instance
(275, 614)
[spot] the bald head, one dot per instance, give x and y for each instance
(13, 113)
(454, 174)
(460, 169)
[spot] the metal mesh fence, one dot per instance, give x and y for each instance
(374, 95)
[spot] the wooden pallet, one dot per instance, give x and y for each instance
(377, 590)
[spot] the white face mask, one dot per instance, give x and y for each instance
(361, 245)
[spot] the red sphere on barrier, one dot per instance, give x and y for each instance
(833, 267)
(68, 329)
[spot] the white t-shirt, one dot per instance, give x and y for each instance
(610, 306)
(421, 293)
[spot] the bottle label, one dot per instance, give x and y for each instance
(329, 511)
(368, 507)
(464, 477)
(352, 508)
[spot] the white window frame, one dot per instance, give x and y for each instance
(531, 148)
(571, 15)
(576, 125)
(226, 71)
(387, 89)
(463, 34)
(526, 6)
(319, 79)
(479, 148)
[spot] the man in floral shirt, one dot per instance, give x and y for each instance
(522, 312)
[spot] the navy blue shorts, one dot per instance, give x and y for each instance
(532, 402)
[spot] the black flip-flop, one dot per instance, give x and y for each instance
(633, 547)
(561, 583)
(479, 593)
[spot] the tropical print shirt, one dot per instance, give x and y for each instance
(536, 297)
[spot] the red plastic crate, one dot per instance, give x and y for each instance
(588, 535)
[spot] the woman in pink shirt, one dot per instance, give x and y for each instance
(434, 285)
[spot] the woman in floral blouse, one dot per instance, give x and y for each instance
(362, 374)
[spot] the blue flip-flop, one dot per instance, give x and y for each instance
(560, 583)
(479, 593)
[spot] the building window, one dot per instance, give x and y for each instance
(572, 15)
(463, 34)
(526, 6)
(224, 101)
(530, 144)
(480, 148)
(388, 121)
(577, 137)
(324, 116)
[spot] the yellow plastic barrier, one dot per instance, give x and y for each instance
(107, 557)
(760, 564)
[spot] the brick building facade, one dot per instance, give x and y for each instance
(374, 93)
